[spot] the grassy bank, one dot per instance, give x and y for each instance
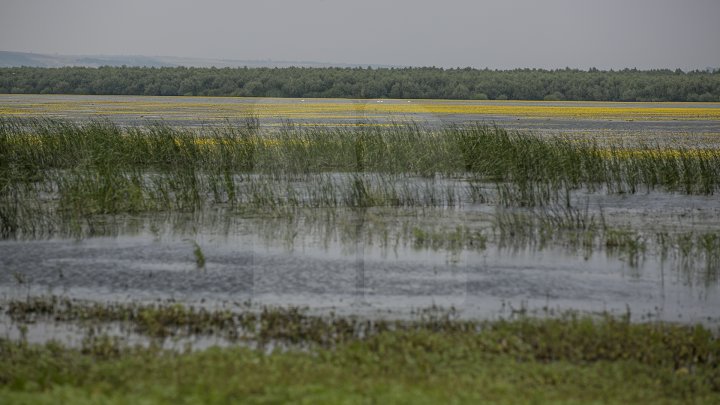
(434, 358)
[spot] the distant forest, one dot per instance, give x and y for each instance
(430, 83)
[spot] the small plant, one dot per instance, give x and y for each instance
(199, 255)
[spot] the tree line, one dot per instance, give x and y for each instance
(430, 83)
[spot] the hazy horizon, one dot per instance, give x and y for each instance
(553, 34)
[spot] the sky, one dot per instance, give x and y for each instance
(498, 34)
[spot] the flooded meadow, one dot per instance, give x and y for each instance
(369, 209)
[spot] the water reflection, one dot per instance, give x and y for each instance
(380, 258)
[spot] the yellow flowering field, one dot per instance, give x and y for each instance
(204, 108)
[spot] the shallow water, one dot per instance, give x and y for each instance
(368, 263)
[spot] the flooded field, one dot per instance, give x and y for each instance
(369, 208)
(679, 122)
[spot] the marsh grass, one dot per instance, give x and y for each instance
(432, 357)
(540, 169)
(694, 254)
(535, 169)
(589, 338)
(697, 253)
(31, 147)
(57, 176)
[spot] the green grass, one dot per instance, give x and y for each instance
(433, 359)
(30, 147)
(393, 368)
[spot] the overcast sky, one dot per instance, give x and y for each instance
(449, 33)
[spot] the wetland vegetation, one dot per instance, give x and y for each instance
(460, 190)
(61, 178)
(432, 357)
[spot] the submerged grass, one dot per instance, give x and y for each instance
(435, 357)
